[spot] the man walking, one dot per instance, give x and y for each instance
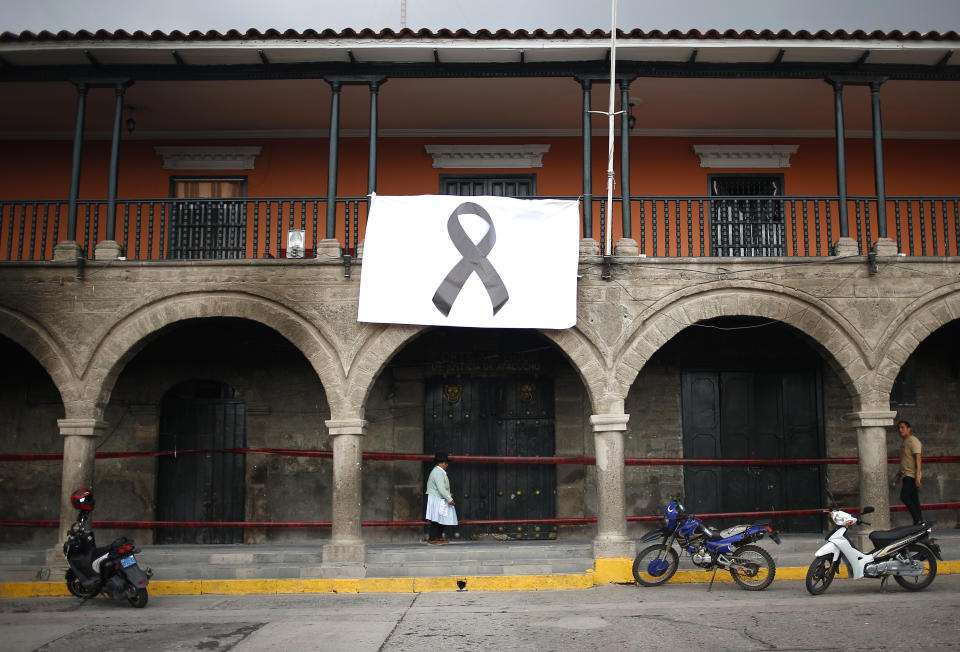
(910, 464)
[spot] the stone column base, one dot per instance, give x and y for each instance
(589, 247)
(67, 250)
(626, 247)
(55, 562)
(846, 247)
(338, 552)
(328, 248)
(614, 548)
(885, 247)
(108, 250)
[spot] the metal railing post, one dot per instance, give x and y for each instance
(625, 157)
(841, 156)
(119, 89)
(587, 134)
(332, 160)
(75, 165)
(372, 158)
(878, 159)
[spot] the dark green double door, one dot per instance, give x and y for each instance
(753, 415)
(502, 416)
(207, 485)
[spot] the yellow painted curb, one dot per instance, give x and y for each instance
(605, 571)
(32, 589)
(948, 567)
(612, 570)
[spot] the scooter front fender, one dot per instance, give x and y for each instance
(829, 548)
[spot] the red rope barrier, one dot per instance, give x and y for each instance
(487, 459)
(147, 525)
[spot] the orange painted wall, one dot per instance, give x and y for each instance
(298, 167)
(286, 167)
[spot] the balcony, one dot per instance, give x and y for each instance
(676, 226)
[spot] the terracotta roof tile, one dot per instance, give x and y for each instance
(479, 35)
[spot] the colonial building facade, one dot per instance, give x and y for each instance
(773, 283)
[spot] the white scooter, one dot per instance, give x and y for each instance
(908, 554)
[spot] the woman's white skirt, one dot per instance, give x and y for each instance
(440, 511)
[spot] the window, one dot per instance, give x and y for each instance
(208, 218)
(745, 226)
(504, 185)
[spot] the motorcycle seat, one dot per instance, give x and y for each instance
(732, 531)
(885, 537)
(708, 532)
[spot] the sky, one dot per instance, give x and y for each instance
(222, 15)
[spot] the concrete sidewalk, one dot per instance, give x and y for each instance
(408, 567)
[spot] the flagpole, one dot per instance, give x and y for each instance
(608, 249)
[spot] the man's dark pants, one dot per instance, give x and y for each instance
(911, 498)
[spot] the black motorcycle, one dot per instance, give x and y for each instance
(112, 570)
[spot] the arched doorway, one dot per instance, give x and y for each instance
(206, 416)
(491, 393)
(30, 405)
(735, 387)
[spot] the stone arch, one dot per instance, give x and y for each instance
(47, 351)
(911, 327)
(382, 345)
(132, 332)
(587, 360)
(848, 353)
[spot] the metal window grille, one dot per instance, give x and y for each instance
(207, 218)
(751, 223)
(520, 185)
(207, 229)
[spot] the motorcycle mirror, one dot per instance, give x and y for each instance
(867, 510)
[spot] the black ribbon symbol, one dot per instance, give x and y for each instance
(474, 260)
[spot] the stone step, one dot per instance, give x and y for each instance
(460, 558)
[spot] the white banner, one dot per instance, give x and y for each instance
(486, 262)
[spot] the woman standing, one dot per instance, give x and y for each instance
(440, 506)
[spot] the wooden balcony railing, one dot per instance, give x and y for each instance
(247, 228)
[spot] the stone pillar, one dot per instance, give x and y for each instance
(79, 445)
(611, 539)
(346, 543)
(874, 476)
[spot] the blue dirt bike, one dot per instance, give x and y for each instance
(751, 566)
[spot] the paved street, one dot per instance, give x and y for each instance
(851, 615)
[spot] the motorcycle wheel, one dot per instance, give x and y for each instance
(926, 557)
(140, 599)
(752, 568)
(655, 564)
(75, 587)
(820, 574)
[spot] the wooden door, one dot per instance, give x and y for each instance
(753, 415)
(207, 486)
(504, 416)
